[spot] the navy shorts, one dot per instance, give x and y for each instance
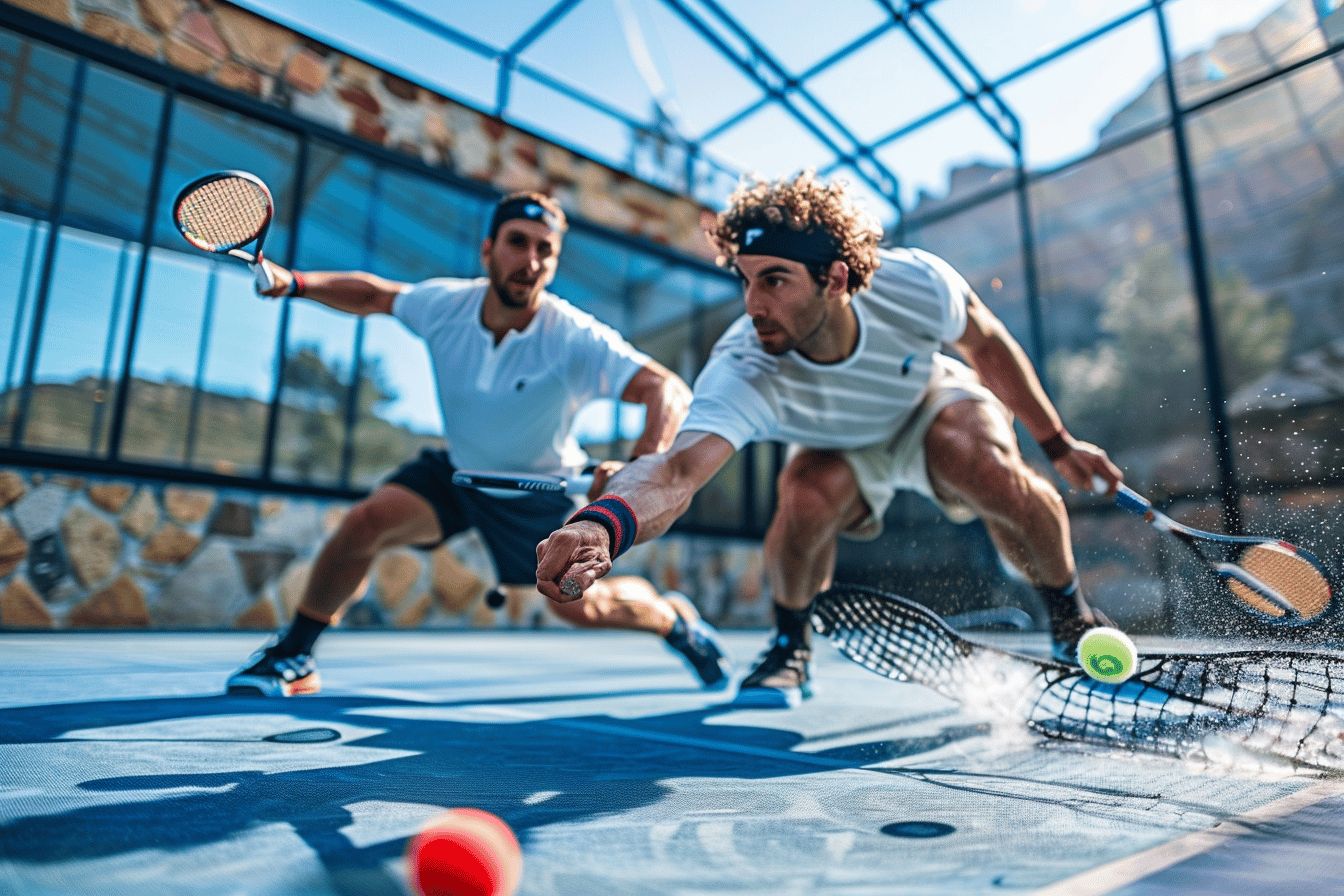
(511, 527)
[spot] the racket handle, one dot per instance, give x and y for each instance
(579, 485)
(262, 280)
(1128, 499)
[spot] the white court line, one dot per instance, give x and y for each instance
(1122, 872)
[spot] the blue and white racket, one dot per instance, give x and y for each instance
(224, 211)
(1274, 580)
(513, 484)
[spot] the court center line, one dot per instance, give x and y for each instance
(1122, 872)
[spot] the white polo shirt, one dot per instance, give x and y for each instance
(915, 303)
(511, 406)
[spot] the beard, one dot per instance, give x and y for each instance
(508, 289)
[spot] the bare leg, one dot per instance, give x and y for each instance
(391, 517)
(818, 499)
(973, 457)
(628, 602)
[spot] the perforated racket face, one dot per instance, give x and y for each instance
(223, 212)
(1288, 573)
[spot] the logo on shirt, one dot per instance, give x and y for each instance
(905, 365)
(520, 385)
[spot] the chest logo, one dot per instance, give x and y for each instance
(520, 385)
(905, 365)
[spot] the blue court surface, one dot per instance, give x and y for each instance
(124, 771)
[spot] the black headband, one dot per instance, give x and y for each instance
(810, 247)
(526, 209)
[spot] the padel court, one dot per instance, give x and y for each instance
(123, 770)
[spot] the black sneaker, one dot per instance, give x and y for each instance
(698, 644)
(269, 674)
(782, 677)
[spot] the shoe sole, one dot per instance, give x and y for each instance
(774, 698)
(260, 686)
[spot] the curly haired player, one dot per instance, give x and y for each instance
(840, 355)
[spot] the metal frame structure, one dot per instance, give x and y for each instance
(918, 20)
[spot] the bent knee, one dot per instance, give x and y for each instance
(816, 485)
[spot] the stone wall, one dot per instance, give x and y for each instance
(80, 552)
(243, 52)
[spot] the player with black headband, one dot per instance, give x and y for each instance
(840, 354)
(513, 365)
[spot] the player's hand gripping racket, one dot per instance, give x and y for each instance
(224, 211)
(1276, 581)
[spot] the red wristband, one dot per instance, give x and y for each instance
(298, 284)
(1057, 445)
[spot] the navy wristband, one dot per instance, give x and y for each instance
(614, 515)
(1057, 445)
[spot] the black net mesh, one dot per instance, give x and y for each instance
(223, 214)
(1272, 704)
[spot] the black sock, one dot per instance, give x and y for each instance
(300, 636)
(793, 625)
(1062, 603)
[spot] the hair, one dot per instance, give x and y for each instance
(552, 208)
(803, 203)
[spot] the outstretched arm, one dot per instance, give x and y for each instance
(657, 489)
(666, 399)
(1009, 374)
(353, 292)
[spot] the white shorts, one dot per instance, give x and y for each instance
(900, 464)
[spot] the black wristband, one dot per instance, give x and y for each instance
(1057, 445)
(614, 515)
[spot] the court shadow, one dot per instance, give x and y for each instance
(532, 772)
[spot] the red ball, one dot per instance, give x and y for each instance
(465, 852)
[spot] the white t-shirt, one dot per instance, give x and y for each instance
(915, 303)
(511, 406)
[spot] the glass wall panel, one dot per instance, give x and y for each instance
(984, 243)
(113, 154)
(1218, 44)
(1098, 93)
(204, 353)
(1120, 326)
(22, 245)
(35, 93)
(1270, 170)
(951, 159)
(83, 336)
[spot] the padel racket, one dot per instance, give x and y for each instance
(224, 211)
(516, 483)
(1276, 581)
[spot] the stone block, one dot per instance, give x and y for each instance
(121, 34)
(332, 517)
(261, 565)
(232, 518)
(48, 567)
(237, 77)
(13, 548)
(255, 41)
(400, 87)
(187, 57)
(395, 573)
(56, 10)
(169, 546)
(187, 505)
(162, 15)
(270, 507)
(323, 108)
(261, 616)
(292, 584)
(197, 27)
(141, 515)
(207, 593)
(73, 483)
(110, 496)
(453, 584)
(11, 487)
(360, 99)
(307, 72)
(415, 612)
(39, 512)
(297, 526)
(20, 607)
(119, 605)
(92, 544)
(369, 127)
(483, 617)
